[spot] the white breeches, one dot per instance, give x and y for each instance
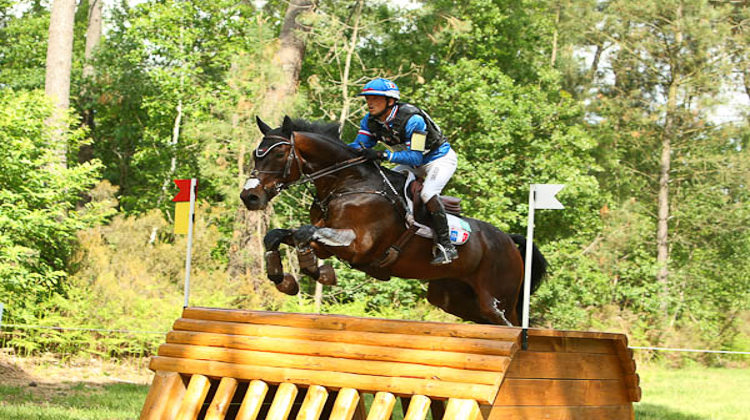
(436, 174)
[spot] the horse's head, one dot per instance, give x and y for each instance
(275, 165)
(286, 153)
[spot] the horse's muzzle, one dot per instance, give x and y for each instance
(254, 196)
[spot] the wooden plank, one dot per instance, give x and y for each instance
(539, 365)
(419, 405)
(159, 394)
(365, 383)
(349, 323)
(331, 364)
(461, 410)
(382, 406)
(222, 398)
(393, 340)
(343, 350)
(596, 335)
(252, 401)
(194, 396)
(561, 392)
(282, 402)
(571, 344)
(312, 406)
(607, 412)
(346, 404)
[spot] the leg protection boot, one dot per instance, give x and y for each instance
(445, 252)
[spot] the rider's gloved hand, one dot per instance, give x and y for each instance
(371, 154)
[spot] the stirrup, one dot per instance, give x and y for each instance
(444, 255)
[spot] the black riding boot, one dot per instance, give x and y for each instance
(445, 252)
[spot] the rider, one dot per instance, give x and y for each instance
(420, 148)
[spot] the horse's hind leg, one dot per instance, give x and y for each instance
(457, 298)
(497, 310)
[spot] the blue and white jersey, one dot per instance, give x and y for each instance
(401, 153)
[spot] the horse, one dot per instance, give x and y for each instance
(358, 216)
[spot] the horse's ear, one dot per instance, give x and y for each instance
(264, 128)
(287, 126)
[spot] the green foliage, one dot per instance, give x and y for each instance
(482, 69)
(38, 214)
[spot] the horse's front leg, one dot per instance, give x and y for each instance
(308, 235)
(285, 282)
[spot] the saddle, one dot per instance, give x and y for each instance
(459, 229)
(452, 204)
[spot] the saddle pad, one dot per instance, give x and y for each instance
(460, 231)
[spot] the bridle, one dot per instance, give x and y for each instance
(293, 156)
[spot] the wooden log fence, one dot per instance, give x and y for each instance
(235, 364)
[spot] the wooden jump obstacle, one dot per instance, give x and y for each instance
(235, 364)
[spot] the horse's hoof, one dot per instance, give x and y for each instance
(327, 275)
(289, 285)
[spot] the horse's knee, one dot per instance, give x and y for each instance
(303, 235)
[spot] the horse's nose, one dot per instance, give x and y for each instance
(252, 201)
(249, 199)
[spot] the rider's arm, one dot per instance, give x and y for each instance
(364, 137)
(410, 157)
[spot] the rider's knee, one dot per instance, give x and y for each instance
(428, 195)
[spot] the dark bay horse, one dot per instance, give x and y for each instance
(357, 217)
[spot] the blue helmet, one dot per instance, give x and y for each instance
(381, 87)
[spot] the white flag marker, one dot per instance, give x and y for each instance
(541, 196)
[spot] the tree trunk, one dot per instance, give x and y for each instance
(347, 67)
(93, 37)
(246, 251)
(662, 229)
(58, 66)
(289, 57)
(555, 35)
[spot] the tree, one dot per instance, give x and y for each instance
(37, 198)
(665, 62)
(59, 64)
(93, 38)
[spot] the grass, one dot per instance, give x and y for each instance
(80, 401)
(694, 393)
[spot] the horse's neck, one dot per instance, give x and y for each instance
(320, 155)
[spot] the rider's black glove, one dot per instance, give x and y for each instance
(371, 154)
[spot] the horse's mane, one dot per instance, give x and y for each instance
(327, 129)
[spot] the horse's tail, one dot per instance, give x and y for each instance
(538, 267)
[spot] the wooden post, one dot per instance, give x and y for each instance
(345, 405)
(282, 402)
(223, 397)
(460, 409)
(418, 407)
(194, 396)
(382, 406)
(166, 391)
(253, 400)
(312, 406)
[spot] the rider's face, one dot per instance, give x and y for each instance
(376, 105)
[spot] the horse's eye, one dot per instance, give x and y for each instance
(279, 155)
